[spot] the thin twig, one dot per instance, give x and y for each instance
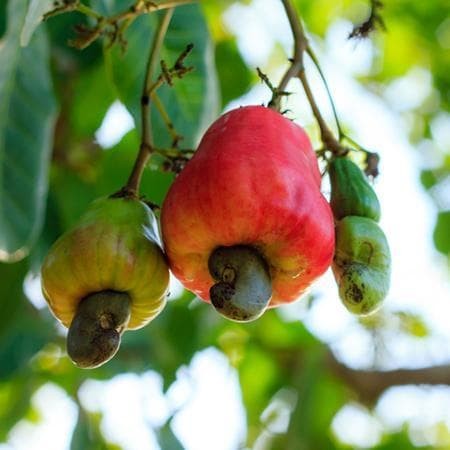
(112, 26)
(87, 11)
(300, 45)
(146, 146)
(327, 137)
(297, 70)
(166, 119)
(315, 61)
(375, 20)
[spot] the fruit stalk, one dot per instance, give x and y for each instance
(296, 69)
(146, 147)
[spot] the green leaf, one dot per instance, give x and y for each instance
(51, 230)
(441, 233)
(413, 324)
(234, 76)
(192, 103)
(257, 390)
(22, 343)
(11, 294)
(90, 88)
(69, 60)
(15, 397)
(23, 332)
(35, 13)
(27, 112)
(87, 433)
(167, 439)
(2, 18)
(428, 179)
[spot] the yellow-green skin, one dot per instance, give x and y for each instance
(115, 246)
(362, 264)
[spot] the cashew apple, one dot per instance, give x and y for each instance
(106, 275)
(245, 225)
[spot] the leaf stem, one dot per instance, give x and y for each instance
(146, 147)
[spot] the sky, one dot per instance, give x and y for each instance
(420, 282)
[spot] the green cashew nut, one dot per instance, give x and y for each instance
(362, 264)
(351, 193)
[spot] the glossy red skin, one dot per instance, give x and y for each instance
(254, 180)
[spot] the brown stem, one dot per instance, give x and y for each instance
(327, 137)
(145, 149)
(297, 70)
(143, 7)
(115, 25)
(367, 384)
(370, 384)
(300, 45)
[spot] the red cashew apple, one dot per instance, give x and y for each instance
(245, 225)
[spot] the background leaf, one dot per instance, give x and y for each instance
(192, 103)
(234, 76)
(36, 10)
(442, 232)
(26, 123)
(11, 293)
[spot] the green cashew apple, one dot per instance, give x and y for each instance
(351, 193)
(362, 264)
(106, 275)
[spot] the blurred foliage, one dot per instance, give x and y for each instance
(281, 365)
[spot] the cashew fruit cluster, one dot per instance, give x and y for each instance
(245, 225)
(362, 261)
(106, 275)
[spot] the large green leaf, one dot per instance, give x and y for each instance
(27, 111)
(192, 103)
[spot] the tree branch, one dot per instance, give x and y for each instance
(113, 26)
(370, 384)
(297, 69)
(300, 45)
